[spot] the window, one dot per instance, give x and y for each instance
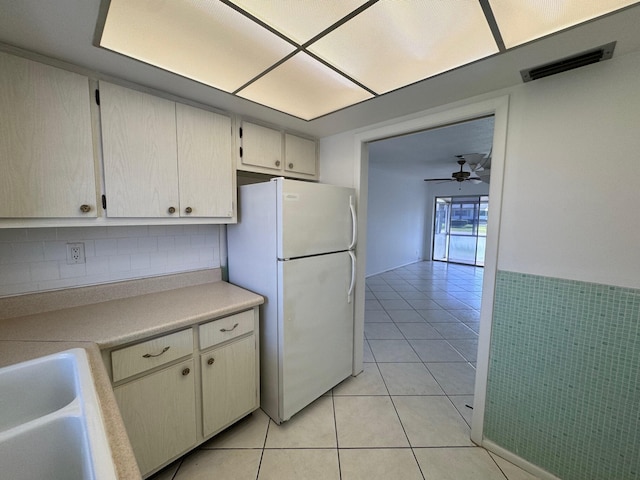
(460, 229)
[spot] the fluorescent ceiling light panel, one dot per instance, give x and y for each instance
(206, 41)
(526, 20)
(395, 43)
(300, 21)
(232, 45)
(304, 87)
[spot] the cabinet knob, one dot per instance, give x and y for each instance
(277, 163)
(291, 165)
(186, 371)
(85, 208)
(172, 210)
(210, 361)
(188, 210)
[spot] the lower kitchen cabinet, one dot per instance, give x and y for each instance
(229, 388)
(159, 412)
(177, 390)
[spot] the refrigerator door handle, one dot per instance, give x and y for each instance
(354, 222)
(353, 277)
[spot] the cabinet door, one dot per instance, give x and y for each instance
(261, 147)
(140, 153)
(300, 155)
(159, 414)
(205, 163)
(229, 384)
(46, 146)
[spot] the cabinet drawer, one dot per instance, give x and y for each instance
(150, 354)
(226, 328)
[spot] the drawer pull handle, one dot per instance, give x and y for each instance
(210, 361)
(150, 355)
(186, 371)
(229, 329)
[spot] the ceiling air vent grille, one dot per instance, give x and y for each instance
(605, 52)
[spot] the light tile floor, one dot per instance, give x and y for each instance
(406, 416)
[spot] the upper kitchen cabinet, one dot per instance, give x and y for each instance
(300, 155)
(164, 159)
(274, 152)
(46, 142)
(205, 162)
(260, 149)
(139, 149)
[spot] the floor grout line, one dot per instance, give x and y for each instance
(335, 426)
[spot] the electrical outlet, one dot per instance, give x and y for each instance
(75, 253)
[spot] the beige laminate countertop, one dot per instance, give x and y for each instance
(115, 322)
(111, 323)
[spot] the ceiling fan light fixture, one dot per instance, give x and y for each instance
(461, 175)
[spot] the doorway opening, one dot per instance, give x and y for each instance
(436, 118)
(460, 229)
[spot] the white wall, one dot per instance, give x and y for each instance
(570, 202)
(397, 207)
(336, 160)
(34, 259)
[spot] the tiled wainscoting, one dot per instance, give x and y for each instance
(35, 259)
(564, 377)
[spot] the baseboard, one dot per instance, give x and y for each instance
(393, 268)
(519, 461)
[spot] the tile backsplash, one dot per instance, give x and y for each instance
(564, 376)
(35, 259)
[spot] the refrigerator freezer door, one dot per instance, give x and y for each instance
(316, 340)
(314, 218)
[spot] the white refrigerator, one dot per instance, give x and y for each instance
(293, 244)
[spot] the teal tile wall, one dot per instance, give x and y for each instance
(563, 389)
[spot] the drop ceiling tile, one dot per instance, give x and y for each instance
(305, 88)
(206, 41)
(392, 43)
(521, 22)
(299, 21)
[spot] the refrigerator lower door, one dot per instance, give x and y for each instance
(316, 336)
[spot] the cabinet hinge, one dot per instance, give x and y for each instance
(240, 132)
(240, 152)
(104, 202)
(97, 96)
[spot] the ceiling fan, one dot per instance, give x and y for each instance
(460, 176)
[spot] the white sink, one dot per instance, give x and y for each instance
(50, 421)
(34, 389)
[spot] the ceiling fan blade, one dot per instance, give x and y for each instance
(438, 179)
